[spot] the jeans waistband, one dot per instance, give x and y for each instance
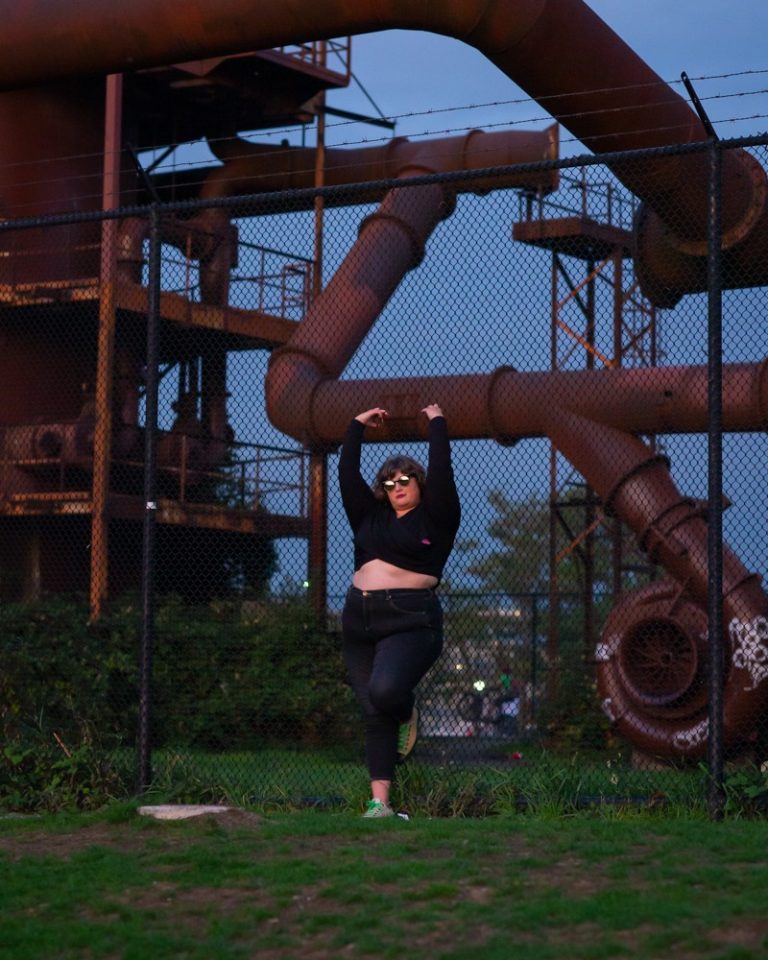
(394, 592)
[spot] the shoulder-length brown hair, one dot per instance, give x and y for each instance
(396, 467)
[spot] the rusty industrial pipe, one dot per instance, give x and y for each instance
(306, 400)
(509, 404)
(664, 623)
(669, 266)
(559, 51)
(251, 167)
(319, 350)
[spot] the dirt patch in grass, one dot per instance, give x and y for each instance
(571, 875)
(747, 934)
(40, 843)
(188, 901)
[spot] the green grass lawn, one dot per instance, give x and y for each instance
(539, 780)
(327, 884)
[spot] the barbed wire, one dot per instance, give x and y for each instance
(518, 101)
(188, 166)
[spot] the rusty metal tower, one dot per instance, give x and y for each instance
(73, 304)
(599, 320)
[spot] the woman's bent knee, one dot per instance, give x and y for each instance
(388, 699)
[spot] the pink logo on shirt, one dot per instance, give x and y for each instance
(427, 542)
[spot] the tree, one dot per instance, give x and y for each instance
(518, 567)
(520, 562)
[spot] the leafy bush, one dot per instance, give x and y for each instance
(270, 675)
(39, 771)
(746, 790)
(59, 667)
(224, 676)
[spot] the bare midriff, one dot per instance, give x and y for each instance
(380, 575)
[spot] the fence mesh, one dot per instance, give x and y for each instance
(565, 335)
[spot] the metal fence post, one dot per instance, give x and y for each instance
(716, 794)
(150, 504)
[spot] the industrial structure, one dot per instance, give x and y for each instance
(73, 309)
(71, 441)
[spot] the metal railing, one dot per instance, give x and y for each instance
(317, 53)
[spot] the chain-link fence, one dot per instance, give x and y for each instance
(175, 556)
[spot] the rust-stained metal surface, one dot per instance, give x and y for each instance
(248, 166)
(559, 51)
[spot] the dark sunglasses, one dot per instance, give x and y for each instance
(403, 481)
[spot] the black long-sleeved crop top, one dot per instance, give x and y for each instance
(421, 540)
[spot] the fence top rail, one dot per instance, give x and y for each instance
(259, 447)
(248, 245)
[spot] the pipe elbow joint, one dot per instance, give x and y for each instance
(671, 263)
(293, 377)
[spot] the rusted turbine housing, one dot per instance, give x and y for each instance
(652, 655)
(660, 628)
(651, 670)
(651, 665)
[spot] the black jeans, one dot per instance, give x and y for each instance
(391, 639)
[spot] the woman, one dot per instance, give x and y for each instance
(404, 528)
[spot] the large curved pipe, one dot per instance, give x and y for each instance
(635, 484)
(319, 350)
(668, 267)
(558, 51)
(257, 168)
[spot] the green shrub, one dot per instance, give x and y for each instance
(60, 667)
(224, 676)
(40, 771)
(269, 675)
(746, 790)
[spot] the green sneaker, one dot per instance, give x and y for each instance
(377, 808)
(406, 737)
